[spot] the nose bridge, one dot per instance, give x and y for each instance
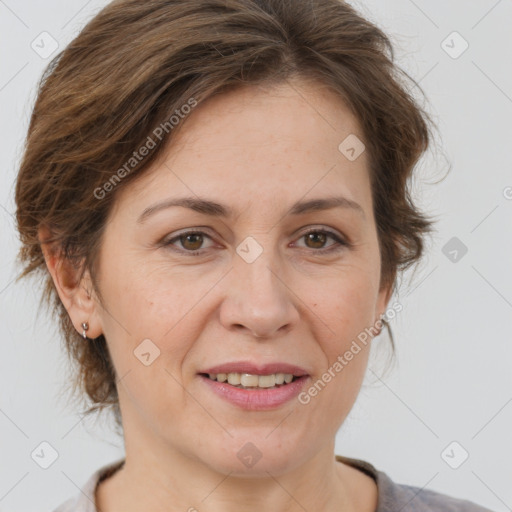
(257, 297)
(257, 273)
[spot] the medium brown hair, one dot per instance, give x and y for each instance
(136, 64)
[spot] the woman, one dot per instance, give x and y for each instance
(217, 191)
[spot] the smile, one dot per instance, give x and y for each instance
(248, 380)
(255, 387)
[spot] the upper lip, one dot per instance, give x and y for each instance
(256, 369)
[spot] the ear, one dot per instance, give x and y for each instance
(384, 295)
(76, 295)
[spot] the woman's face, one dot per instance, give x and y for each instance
(251, 292)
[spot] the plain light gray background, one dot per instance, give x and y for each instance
(453, 379)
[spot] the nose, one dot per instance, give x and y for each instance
(258, 299)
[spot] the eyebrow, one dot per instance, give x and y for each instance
(215, 209)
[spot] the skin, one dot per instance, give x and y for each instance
(257, 151)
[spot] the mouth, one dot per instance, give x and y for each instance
(253, 381)
(255, 387)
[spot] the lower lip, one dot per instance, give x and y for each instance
(256, 399)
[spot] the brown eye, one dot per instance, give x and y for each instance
(316, 238)
(191, 241)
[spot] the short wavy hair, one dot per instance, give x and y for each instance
(136, 64)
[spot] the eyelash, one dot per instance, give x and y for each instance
(340, 243)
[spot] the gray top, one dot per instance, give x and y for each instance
(392, 497)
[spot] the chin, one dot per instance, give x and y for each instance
(254, 455)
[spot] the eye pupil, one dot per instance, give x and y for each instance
(198, 237)
(316, 238)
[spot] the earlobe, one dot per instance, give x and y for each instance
(73, 290)
(384, 298)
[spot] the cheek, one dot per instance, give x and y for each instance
(345, 304)
(348, 313)
(149, 335)
(355, 307)
(144, 299)
(144, 321)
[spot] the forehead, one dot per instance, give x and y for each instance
(260, 142)
(292, 110)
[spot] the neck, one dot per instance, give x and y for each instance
(179, 483)
(165, 477)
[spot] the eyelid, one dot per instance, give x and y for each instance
(340, 240)
(167, 241)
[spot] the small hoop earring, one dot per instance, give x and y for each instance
(85, 327)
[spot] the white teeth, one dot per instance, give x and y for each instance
(248, 380)
(234, 379)
(267, 381)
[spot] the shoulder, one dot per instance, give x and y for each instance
(393, 496)
(409, 498)
(85, 501)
